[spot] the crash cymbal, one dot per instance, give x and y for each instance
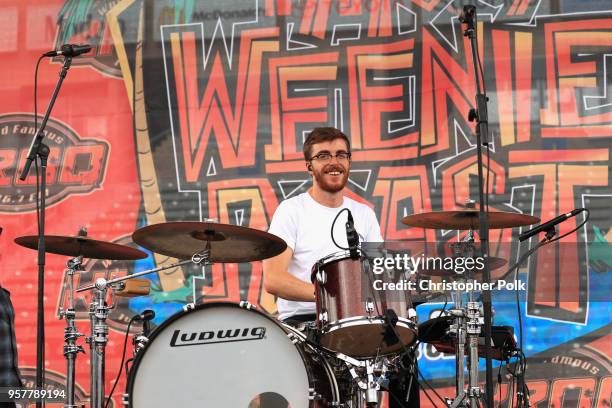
(494, 263)
(87, 247)
(228, 243)
(467, 219)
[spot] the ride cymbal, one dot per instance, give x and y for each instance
(85, 246)
(467, 219)
(228, 243)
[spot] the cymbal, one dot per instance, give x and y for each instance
(228, 243)
(436, 332)
(494, 263)
(467, 219)
(85, 246)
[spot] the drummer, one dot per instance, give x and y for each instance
(305, 223)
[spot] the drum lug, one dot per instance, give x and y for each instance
(188, 307)
(294, 339)
(321, 277)
(323, 317)
(247, 305)
(369, 306)
(313, 395)
(125, 399)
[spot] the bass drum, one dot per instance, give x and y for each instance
(228, 355)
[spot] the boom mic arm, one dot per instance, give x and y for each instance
(549, 224)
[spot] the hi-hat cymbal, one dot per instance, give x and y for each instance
(467, 219)
(85, 246)
(436, 332)
(228, 243)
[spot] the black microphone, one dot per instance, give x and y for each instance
(390, 321)
(351, 235)
(145, 317)
(549, 224)
(69, 50)
(467, 14)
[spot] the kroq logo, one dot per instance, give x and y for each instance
(74, 166)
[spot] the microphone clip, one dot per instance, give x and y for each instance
(352, 237)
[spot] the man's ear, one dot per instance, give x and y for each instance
(309, 167)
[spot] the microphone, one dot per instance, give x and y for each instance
(549, 224)
(467, 14)
(145, 316)
(390, 321)
(351, 235)
(69, 50)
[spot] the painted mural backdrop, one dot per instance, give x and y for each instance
(187, 110)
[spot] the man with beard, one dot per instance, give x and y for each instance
(305, 223)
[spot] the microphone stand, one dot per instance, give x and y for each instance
(41, 151)
(480, 114)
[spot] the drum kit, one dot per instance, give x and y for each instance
(233, 355)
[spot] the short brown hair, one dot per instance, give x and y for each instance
(323, 134)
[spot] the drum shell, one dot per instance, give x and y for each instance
(345, 295)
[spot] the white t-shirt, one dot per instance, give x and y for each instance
(305, 225)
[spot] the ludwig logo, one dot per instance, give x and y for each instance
(74, 166)
(180, 339)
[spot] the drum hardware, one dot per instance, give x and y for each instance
(466, 328)
(132, 287)
(140, 340)
(103, 283)
(79, 247)
(247, 305)
(98, 313)
(367, 376)
(71, 334)
(470, 219)
(369, 306)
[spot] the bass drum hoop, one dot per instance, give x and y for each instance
(212, 305)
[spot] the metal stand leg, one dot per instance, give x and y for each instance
(71, 334)
(474, 322)
(98, 313)
(466, 327)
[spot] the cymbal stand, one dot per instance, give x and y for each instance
(199, 258)
(466, 327)
(98, 313)
(71, 334)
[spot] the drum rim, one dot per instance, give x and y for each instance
(336, 256)
(140, 355)
(357, 321)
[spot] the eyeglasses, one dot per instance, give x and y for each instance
(326, 156)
